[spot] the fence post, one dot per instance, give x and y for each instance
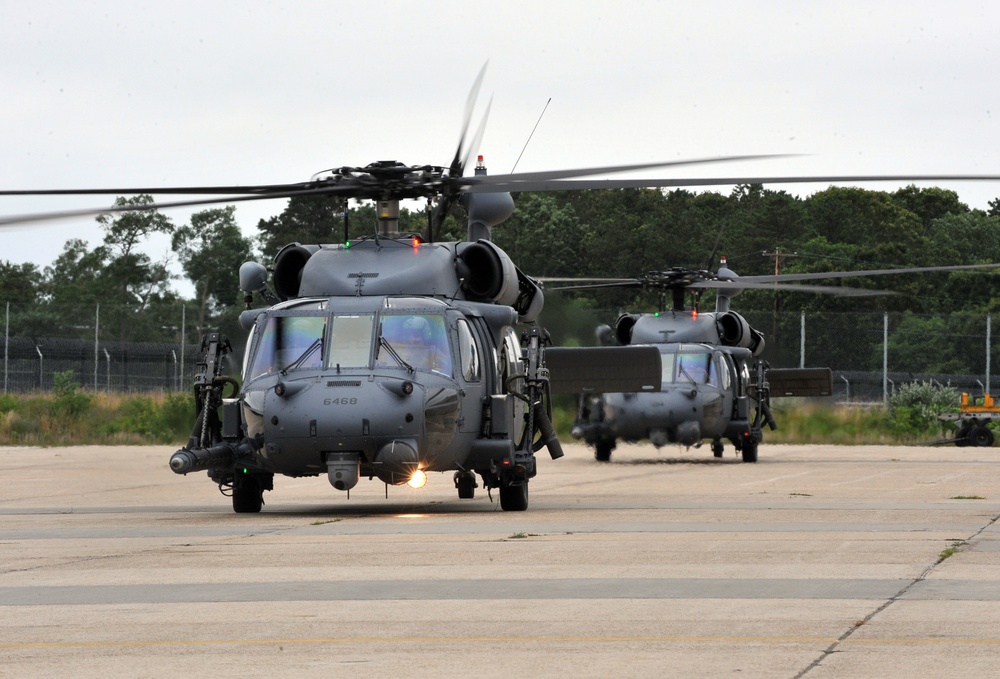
(885, 358)
(989, 323)
(802, 341)
(97, 329)
(6, 344)
(183, 339)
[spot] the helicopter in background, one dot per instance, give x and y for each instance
(714, 383)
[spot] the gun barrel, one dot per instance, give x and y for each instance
(185, 461)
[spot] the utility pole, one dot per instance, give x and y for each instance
(778, 255)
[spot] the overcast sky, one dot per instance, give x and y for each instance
(133, 93)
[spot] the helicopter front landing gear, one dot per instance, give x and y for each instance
(602, 449)
(717, 447)
(466, 484)
(248, 492)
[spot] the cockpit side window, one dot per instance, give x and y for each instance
(468, 351)
(421, 340)
(726, 371)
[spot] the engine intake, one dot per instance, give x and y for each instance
(288, 265)
(623, 328)
(734, 331)
(487, 273)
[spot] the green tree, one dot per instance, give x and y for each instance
(306, 219)
(137, 281)
(211, 249)
(542, 237)
(929, 204)
(20, 283)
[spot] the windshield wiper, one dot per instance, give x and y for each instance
(305, 354)
(681, 367)
(383, 342)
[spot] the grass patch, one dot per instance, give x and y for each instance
(955, 548)
(77, 417)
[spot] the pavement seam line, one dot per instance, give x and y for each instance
(832, 648)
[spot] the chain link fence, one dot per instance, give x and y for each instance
(106, 348)
(870, 353)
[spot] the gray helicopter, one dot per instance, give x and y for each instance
(388, 357)
(714, 384)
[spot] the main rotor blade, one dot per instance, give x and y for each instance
(790, 287)
(259, 189)
(18, 220)
(478, 138)
(503, 184)
(457, 165)
(518, 178)
(785, 277)
(729, 285)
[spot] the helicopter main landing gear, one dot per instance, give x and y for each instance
(749, 451)
(514, 496)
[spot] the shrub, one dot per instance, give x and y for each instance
(915, 406)
(68, 402)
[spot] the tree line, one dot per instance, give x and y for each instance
(597, 233)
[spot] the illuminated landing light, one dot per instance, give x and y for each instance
(418, 480)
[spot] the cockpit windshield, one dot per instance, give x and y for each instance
(414, 341)
(351, 340)
(691, 367)
(289, 343)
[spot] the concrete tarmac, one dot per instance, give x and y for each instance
(818, 561)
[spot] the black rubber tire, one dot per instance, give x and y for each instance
(749, 451)
(981, 437)
(718, 448)
(602, 451)
(514, 498)
(466, 486)
(248, 495)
